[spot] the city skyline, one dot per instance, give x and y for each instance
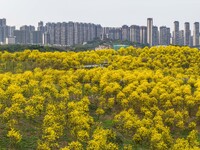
(107, 13)
(181, 24)
(73, 33)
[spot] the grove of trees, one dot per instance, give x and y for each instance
(133, 98)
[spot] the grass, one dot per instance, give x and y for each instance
(107, 124)
(28, 143)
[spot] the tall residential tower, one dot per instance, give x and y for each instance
(176, 33)
(164, 35)
(187, 34)
(196, 34)
(143, 34)
(150, 31)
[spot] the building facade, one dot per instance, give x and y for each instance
(143, 34)
(135, 33)
(150, 31)
(176, 33)
(125, 33)
(181, 37)
(196, 34)
(187, 34)
(164, 35)
(155, 36)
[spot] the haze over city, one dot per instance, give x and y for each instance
(112, 13)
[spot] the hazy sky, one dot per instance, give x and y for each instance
(110, 13)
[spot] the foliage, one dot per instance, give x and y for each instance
(133, 98)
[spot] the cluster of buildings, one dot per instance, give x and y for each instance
(153, 35)
(72, 33)
(60, 34)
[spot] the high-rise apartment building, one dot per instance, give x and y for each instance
(85, 32)
(187, 34)
(150, 31)
(118, 34)
(2, 34)
(63, 34)
(22, 36)
(41, 27)
(10, 31)
(164, 35)
(46, 38)
(10, 40)
(70, 33)
(51, 31)
(89, 32)
(2, 22)
(155, 36)
(81, 33)
(125, 33)
(135, 33)
(196, 34)
(111, 33)
(58, 33)
(36, 37)
(76, 33)
(99, 31)
(93, 32)
(143, 34)
(168, 36)
(191, 41)
(181, 37)
(176, 33)
(5, 31)
(115, 33)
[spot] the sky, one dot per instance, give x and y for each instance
(108, 13)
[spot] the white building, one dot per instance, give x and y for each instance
(10, 40)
